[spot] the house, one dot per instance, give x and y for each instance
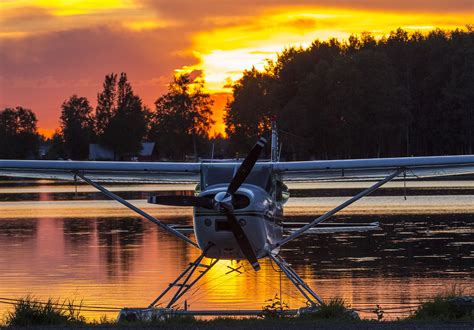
(98, 152)
(148, 153)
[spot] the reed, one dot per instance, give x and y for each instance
(449, 306)
(452, 305)
(29, 311)
(332, 309)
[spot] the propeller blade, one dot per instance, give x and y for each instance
(243, 241)
(178, 200)
(246, 166)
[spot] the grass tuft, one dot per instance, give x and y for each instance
(334, 309)
(449, 306)
(31, 312)
(275, 307)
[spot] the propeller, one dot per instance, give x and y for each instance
(242, 240)
(246, 166)
(223, 202)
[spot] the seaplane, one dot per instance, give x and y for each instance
(238, 205)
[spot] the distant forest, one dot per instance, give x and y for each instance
(401, 95)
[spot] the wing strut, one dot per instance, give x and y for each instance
(296, 280)
(137, 210)
(337, 209)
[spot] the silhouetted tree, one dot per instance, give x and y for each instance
(106, 104)
(77, 127)
(126, 126)
(457, 103)
(56, 146)
(183, 116)
(249, 114)
(18, 133)
(404, 94)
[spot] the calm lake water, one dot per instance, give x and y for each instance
(54, 244)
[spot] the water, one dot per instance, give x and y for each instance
(91, 249)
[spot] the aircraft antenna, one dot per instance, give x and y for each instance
(405, 184)
(279, 151)
(275, 155)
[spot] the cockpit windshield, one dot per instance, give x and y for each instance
(213, 174)
(217, 174)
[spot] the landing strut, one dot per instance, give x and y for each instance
(298, 282)
(187, 283)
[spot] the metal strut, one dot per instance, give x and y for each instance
(289, 272)
(184, 287)
(132, 207)
(330, 213)
(305, 290)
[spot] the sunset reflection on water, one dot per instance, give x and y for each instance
(110, 258)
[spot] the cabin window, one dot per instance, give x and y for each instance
(217, 175)
(261, 177)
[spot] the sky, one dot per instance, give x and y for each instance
(51, 49)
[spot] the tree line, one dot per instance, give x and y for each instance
(402, 95)
(120, 123)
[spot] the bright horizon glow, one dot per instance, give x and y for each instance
(152, 40)
(262, 40)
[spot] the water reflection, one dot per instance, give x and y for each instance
(18, 230)
(114, 259)
(119, 240)
(78, 232)
(408, 246)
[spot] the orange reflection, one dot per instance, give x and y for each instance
(101, 255)
(126, 262)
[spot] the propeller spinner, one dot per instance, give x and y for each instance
(222, 202)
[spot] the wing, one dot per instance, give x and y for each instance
(103, 171)
(350, 169)
(354, 169)
(290, 227)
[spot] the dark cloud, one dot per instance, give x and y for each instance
(41, 71)
(200, 11)
(82, 53)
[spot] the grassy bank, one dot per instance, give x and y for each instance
(450, 310)
(31, 312)
(449, 306)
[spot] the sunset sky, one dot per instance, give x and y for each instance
(51, 49)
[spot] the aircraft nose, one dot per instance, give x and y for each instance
(220, 196)
(223, 202)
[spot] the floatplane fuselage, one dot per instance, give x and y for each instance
(258, 207)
